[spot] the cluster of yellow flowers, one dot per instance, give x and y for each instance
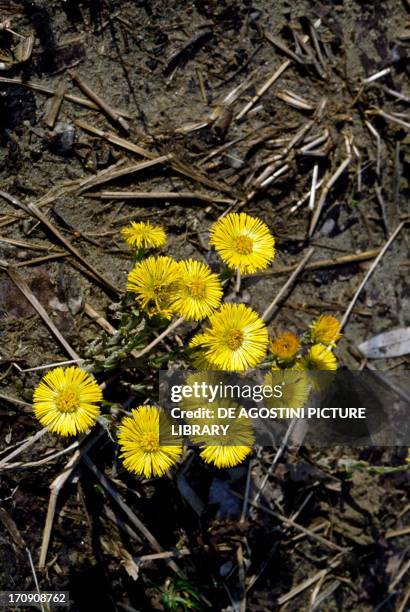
(234, 339)
(189, 289)
(67, 402)
(322, 336)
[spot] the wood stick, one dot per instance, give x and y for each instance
(277, 42)
(271, 79)
(21, 284)
(392, 118)
(329, 184)
(175, 163)
(274, 77)
(369, 273)
(321, 263)
(104, 106)
(155, 545)
(171, 327)
(51, 92)
(105, 177)
(376, 135)
(289, 283)
(25, 244)
(292, 523)
(311, 205)
(41, 217)
(29, 442)
(36, 260)
(160, 195)
(55, 105)
(310, 581)
(47, 459)
(55, 489)
(95, 316)
(46, 607)
(32, 210)
(48, 366)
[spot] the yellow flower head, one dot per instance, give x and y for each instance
(318, 358)
(228, 450)
(325, 330)
(65, 401)
(143, 235)
(142, 450)
(243, 242)
(208, 377)
(198, 357)
(199, 291)
(236, 339)
(154, 282)
(294, 387)
(285, 346)
(225, 456)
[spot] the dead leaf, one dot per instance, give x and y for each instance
(11, 527)
(129, 564)
(393, 343)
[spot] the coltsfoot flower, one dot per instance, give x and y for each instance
(143, 235)
(243, 242)
(66, 401)
(285, 346)
(147, 446)
(294, 386)
(236, 339)
(199, 291)
(225, 456)
(325, 330)
(318, 358)
(154, 282)
(228, 450)
(198, 357)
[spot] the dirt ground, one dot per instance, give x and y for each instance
(181, 74)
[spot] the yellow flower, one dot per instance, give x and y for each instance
(294, 386)
(199, 291)
(228, 450)
(154, 282)
(237, 338)
(408, 455)
(198, 357)
(285, 346)
(198, 400)
(143, 235)
(147, 446)
(65, 399)
(197, 341)
(225, 456)
(243, 242)
(325, 330)
(318, 358)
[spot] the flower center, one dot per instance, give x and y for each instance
(67, 401)
(149, 442)
(287, 346)
(244, 245)
(234, 339)
(159, 290)
(197, 289)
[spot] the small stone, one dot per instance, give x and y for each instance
(63, 137)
